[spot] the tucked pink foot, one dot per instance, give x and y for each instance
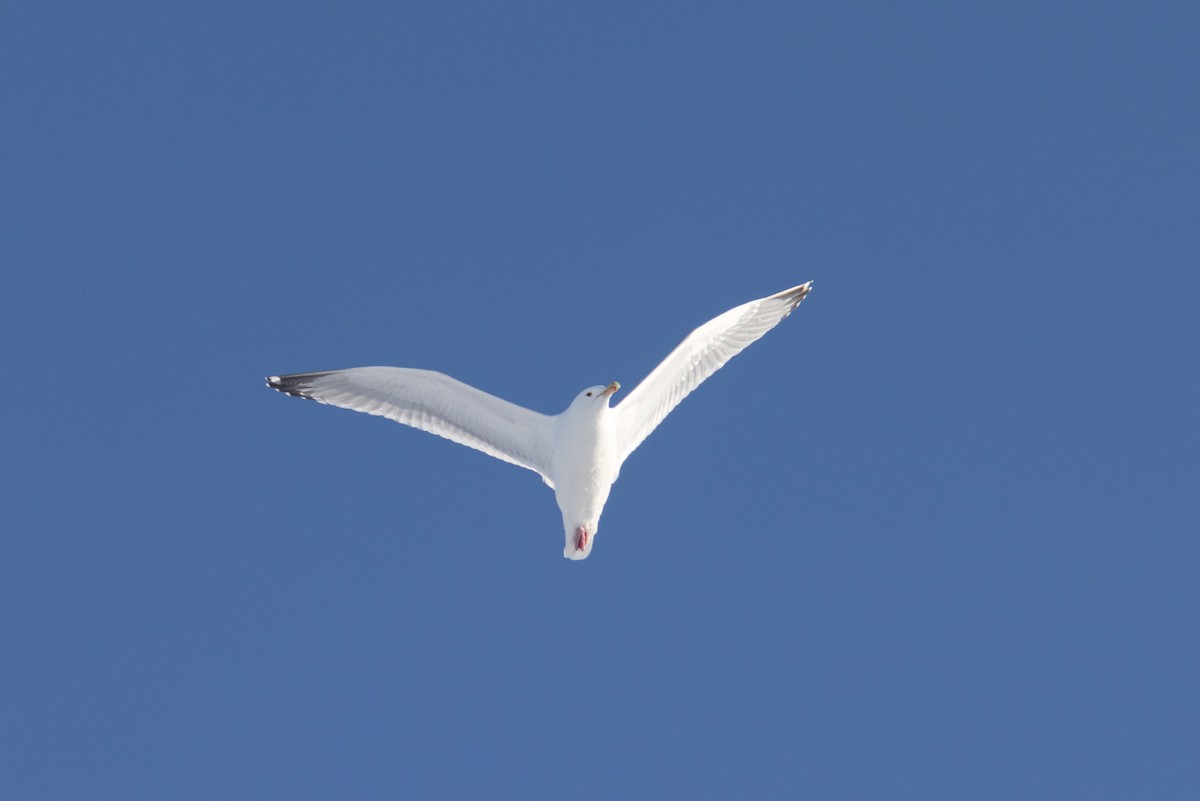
(581, 538)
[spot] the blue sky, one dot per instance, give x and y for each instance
(933, 537)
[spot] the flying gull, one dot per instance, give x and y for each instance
(579, 452)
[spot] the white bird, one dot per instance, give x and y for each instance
(579, 452)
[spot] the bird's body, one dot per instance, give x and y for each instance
(584, 466)
(579, 452)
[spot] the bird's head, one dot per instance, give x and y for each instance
(595, 397)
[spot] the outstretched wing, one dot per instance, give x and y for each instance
(702, 353)
(436, 403)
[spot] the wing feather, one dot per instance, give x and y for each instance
(699, 355)
(436, 403)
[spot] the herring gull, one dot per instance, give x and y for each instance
(579, 452)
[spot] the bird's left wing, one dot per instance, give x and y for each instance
(702, 353)
(436, 403)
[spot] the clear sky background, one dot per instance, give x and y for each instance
(934, 537)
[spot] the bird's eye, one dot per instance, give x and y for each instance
(589, 394)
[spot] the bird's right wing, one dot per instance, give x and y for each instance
(436, 403)
(702, 353)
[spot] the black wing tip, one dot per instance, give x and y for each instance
(794, 295)
(296, 384)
